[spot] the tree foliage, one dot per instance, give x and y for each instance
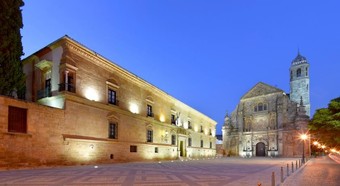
(325, 124)
(12, 78)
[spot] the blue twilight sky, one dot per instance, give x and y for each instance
(205, 53)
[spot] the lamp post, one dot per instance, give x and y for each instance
(303, 137)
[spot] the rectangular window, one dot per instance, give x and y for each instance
(149, 136)
(112, 97)
(202, 129)
(211, 145)
(201, 143)
(189, 125)
(173, 139)
(173, 119)
(189, 142)
(133, 148)
(210, 133)
(156, 149)
(68, 82)
(149, 111)
(17, 119)
(113, 130)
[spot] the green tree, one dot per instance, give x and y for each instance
(12, 78)
(325, 125)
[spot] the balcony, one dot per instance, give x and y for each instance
(173, 122)
(114, 102)
(43, 93)
(67, 87)
(150, 115)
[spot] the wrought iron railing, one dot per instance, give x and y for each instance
(43, 93)
(67, 87)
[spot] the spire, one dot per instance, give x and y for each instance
(227, 114)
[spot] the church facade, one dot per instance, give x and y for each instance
(269, 122)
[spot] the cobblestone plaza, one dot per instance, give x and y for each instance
(221, 171)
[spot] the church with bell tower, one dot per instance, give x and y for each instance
(268, 121)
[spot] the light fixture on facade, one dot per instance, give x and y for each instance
(91, 94)
(134, 108)
(162, 118)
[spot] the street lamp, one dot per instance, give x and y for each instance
(303, 137)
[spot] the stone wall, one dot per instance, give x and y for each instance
(79, 135)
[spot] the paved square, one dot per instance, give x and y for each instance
(223, 171)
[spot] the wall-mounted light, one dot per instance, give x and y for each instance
(134, 108)
(162, 118)
(91, 94)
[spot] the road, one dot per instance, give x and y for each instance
(318, 171)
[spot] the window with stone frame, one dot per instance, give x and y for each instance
(202, 143)
(133, 148)
(298, 72)
(260, 107)
(17, 119)
(173, 139)
(113, 130)
(189, 125)
(189, 142)
(149, 136)
(149, 111)
(173, 119)
(68, 81)
(210, 145)
(112, 96)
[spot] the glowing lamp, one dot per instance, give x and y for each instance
(303, 136)
(91, 94)
(134, 108)
(315, 143)
(162, 118)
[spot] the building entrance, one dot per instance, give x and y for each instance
(260, 149)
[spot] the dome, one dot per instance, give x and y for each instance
(299, 59)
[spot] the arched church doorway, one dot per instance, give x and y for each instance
(260, 149)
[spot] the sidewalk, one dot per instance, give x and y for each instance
(317, 171)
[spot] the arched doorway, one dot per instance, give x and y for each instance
(260, 149)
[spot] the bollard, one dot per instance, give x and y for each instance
(299, 163)
(296, 167)
(287, 169)
(292, 167)
(273, 178)
(281, 174)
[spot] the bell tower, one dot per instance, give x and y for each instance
(299, 81)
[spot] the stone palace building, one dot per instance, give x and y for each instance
(82, 108)
(269, 122)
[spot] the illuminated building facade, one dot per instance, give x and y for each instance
(90, 110)
(267, 121)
